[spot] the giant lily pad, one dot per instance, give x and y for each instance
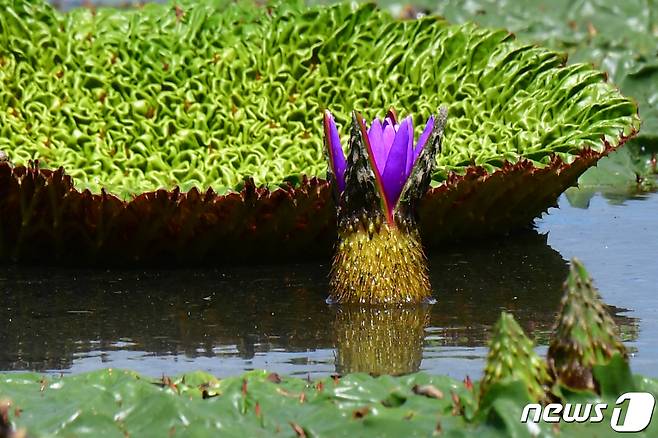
(619, 38)
(157, 117)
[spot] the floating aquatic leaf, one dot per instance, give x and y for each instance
(206, 95)
(116, 403)
(620, 39)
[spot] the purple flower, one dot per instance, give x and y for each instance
(390, 145)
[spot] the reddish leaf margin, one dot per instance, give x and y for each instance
(44, 218)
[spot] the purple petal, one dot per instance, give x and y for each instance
(376, 137)
(423, 138)
(388, 121)
(410, 150)
(389, 136)
(336, 155)
(394, 175)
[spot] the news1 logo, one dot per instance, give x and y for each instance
(638, 412)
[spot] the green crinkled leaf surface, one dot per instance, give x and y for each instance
(619, 38)
(204, 95)
(145, 106)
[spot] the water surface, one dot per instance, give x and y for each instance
(227, 320)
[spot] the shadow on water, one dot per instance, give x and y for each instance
(237, 318)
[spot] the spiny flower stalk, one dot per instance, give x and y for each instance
(379, 256)
(585, 333)
(512, 357)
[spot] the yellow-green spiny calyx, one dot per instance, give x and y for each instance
(379, 256)
(377, 264)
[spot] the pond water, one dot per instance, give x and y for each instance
(228, 320)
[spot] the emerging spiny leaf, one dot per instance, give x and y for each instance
(379, 264)
(512, 358)
(585, 333)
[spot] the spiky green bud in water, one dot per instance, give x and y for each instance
(379, 257)
(512, 357)
(585, 333)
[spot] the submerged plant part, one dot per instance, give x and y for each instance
(511, 357)
(585, 333)
(379, 255)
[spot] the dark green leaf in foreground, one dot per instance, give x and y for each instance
(261, 404)
(614, 378)
(115, 402)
